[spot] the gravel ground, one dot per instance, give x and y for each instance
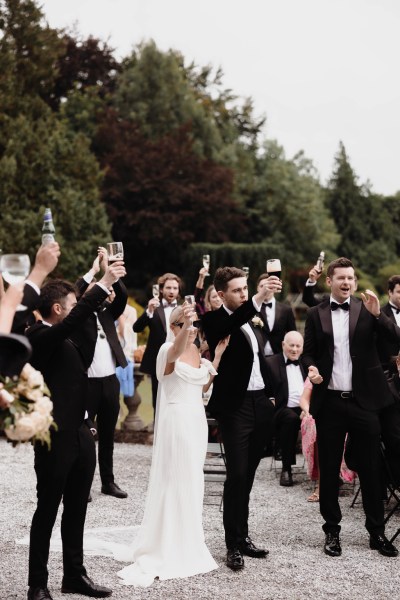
(280, 519)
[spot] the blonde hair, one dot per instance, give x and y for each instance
(176, 315)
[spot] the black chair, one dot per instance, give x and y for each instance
(392, 483)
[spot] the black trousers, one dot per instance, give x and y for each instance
(243, 435)
(287, 425)
(65, 472)
(337, 417)
(103, 405)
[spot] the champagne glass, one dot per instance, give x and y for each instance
(14, 269)
(156, 290)
(115, 251)
(191, 300)
(206, 263)
(247, 271)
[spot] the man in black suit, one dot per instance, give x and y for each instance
(155, 317)
(65, 470)
(350, 388)
(101, 351)
(278, 319)
(286, 377)
(389, 348)
(45, 262)
(239, 402)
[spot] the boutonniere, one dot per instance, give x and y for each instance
(257, 322)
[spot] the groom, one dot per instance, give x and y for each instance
(239, 401)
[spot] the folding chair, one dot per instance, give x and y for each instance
(393, 486)
(215, 464)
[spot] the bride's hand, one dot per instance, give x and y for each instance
(222, 346)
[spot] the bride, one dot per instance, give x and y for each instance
(170, 542)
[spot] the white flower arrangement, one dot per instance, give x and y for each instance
(257, 321)
(26, 407)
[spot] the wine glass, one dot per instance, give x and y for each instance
(14, 269)
(191, 300)
(115, 251)
(156, 290)
(247, 271)
(206, 263)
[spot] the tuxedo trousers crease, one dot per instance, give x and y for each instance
(337, 417)
(65, 472)
(243, 435)
(103, 405)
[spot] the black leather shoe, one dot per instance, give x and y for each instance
(39, 593)
(249, 549)
(112, 489)
(332, 545)
(382, 544)
(85, 586)
(90, 498)
(286, 479)
(234, 559)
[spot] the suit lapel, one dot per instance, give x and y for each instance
(283, 376)
(325, 316)
(161, 313)
(278, 311)
(354, 313)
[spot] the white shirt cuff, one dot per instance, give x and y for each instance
(310, 283)
(33, 285)
(103, 287)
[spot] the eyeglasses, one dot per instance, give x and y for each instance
(195, 324)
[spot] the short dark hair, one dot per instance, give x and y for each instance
(338, 263)
(262, 276)
(54, 292)
(223, 275)
(392, 282)
(163, 278)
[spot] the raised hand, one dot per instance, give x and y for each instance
(371, 302)
(314, 375)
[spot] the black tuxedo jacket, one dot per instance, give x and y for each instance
(86, 336)
(284, 322)
(369, 382)
(230, 385)
(278, 386)
(59, 360)
(387, 348)
(157, 336)
(24, 318)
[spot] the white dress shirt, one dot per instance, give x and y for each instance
(395, 314)
(295, 384)
(342, 371)
(270, 314)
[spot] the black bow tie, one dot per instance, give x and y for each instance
(167, 305)
(395, 308)
(344, 306)
(291, 362)
(269, 304)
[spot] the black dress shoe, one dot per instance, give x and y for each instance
(90, 498)
(85, 586)
(249, 549)
(332, 545)
(286, 479)
(112, 489)
(382, 544)
(39, 593)
(234, 559)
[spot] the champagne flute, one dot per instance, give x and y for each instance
(247, 271)
(115, 251)
(156, 290)
(14, 269)
(191, 300)
(206, 263)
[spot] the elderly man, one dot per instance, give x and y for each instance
(286, 380)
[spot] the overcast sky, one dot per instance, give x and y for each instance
(320, 70)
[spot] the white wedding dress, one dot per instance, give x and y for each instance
(170, 541)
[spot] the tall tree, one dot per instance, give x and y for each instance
(161, 196)
(42, 162)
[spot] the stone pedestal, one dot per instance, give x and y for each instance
(133, 428)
